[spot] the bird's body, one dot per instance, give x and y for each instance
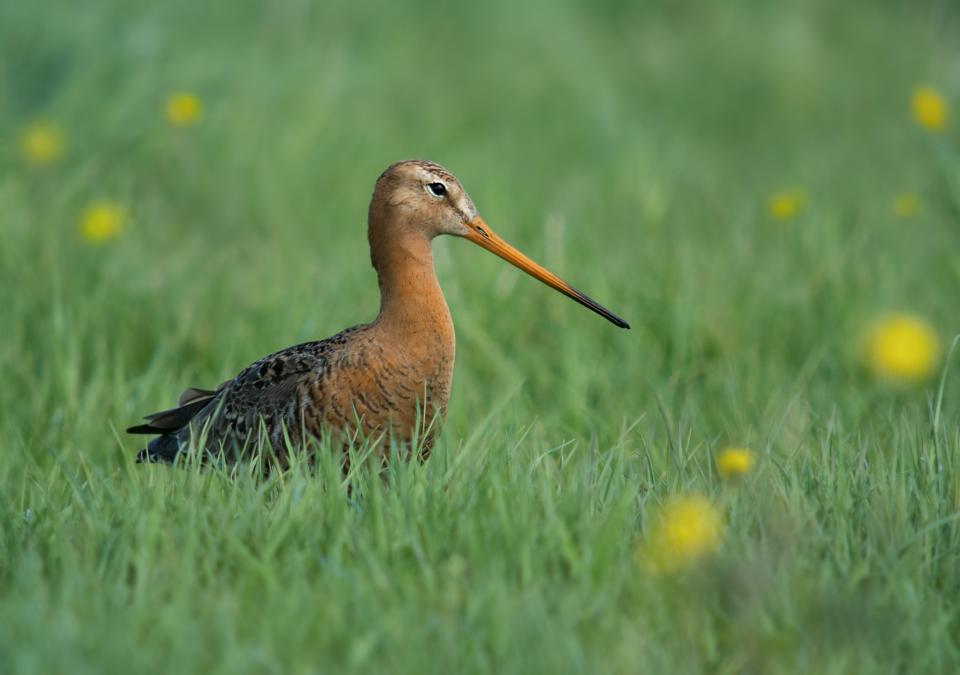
(388, 379)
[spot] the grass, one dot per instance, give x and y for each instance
(633, 149)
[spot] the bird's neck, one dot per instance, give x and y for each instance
(412, 305)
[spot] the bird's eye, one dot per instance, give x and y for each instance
(437, 189)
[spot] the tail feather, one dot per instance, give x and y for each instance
(167, 423)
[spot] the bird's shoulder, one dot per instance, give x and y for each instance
(288, 365)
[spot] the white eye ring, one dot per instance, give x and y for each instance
(437, 189)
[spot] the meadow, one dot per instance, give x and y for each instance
(758, 187)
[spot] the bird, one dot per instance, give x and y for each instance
(387, 379)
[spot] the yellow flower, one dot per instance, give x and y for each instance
(183, 109)
(42, 143)
(785, 204)
(930, 109)
(906, 205)
(101, 222)
(735, 462)
(688, 529)
(904, 348)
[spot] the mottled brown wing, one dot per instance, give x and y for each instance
(263, 393)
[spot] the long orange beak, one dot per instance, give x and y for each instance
(481, 235)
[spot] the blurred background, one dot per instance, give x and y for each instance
(751, 184)
(769, 192)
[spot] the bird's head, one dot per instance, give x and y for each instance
(422, 199)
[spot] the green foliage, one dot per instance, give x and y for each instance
(631, 147)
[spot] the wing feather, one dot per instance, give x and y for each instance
(168, 421)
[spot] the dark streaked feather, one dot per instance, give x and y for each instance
(191, 394)
(192, 401)
(262, 396)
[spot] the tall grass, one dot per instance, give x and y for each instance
(632, 149)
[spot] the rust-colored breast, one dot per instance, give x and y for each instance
(378, 387)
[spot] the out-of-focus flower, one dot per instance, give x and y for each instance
(785, 204)
(41, 143)
(101, 222)
(183, 109)
(735, 462)
(930, 109)
(906, 205)
(902, 347)
(687, 530)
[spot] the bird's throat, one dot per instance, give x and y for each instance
(412, 305)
